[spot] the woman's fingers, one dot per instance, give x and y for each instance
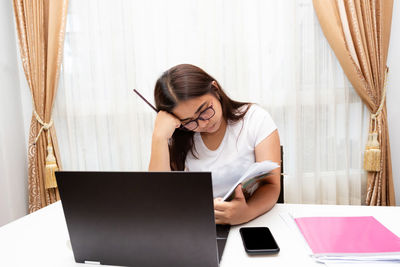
(218, 214)
(220, 217)
(220, 205)
(232, 212)
(165, 125)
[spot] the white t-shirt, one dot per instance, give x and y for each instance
(236, 151)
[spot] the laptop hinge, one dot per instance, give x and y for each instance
(92, 262)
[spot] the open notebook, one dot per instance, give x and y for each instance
(349, 239)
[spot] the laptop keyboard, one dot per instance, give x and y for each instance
(222, 235)
(223, 230)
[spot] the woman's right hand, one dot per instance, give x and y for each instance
(165, 125)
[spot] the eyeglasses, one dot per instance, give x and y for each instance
(206, 114)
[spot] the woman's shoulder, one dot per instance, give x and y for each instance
(258, 118)
(254, 115)
(251, 110)
(254, 111)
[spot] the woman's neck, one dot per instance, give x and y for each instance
(219, 132)
(213, 140)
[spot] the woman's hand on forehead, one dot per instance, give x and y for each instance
(165, 125)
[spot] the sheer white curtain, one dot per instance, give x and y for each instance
(269, 52)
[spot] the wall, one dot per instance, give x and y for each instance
(393, 97)
(13, 154)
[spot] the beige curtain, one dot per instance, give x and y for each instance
(41, 30)
(358, 32)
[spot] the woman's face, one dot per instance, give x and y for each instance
(191, 109)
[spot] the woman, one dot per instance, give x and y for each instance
(199, 128)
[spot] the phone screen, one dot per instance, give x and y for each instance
(258, 240)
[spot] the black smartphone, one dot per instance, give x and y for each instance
(258, 240)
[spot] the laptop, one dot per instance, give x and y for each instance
(141, 218)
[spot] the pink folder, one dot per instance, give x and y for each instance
(347, 235)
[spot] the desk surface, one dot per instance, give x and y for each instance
(41, 239)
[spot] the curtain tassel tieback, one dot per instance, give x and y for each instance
(51, 164)
(372, 154)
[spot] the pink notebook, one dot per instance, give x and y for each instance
(347, 235)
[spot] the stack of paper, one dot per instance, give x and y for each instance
(349, 239)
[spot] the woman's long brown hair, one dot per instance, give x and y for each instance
(181, 83)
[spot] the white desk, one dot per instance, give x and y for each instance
(41, 238)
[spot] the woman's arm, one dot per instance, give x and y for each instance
(239, 210)
(159, 159)
(266, 196)
(164, 127)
